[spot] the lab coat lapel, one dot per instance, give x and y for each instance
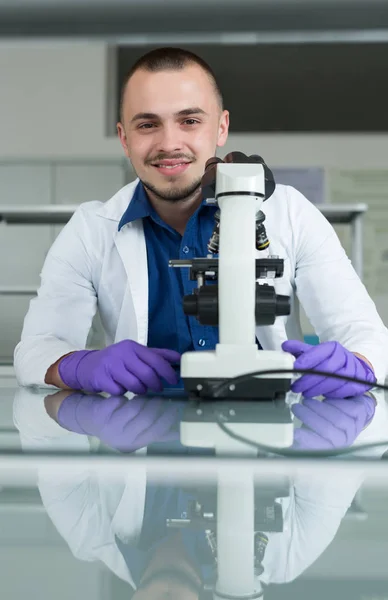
(131, 246)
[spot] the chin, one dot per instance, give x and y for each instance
(174, 189)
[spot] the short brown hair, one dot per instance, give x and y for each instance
(169, 58)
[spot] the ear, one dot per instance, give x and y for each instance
(223, 129)
(122, 138)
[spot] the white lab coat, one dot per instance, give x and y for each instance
(92, 264)
(90, 511)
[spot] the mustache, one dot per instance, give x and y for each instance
(165, 156)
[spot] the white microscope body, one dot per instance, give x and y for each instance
(240, 192)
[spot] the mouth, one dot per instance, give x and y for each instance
(171, 168)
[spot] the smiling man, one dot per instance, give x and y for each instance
(113, 256)
(169, 141)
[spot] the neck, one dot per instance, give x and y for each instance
(176, 214)
(172, 554)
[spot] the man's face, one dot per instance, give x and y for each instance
(171, 125)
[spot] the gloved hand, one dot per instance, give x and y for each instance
(123, 367)
(121, 423)
(331, 423)
(330, 357)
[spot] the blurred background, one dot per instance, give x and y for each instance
(305, 83)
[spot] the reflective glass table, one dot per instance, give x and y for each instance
(165, 497)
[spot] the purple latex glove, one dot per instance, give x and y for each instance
(121, 423)
(331, 423)
(123, 367)
(330, 357)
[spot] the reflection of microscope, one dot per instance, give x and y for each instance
(234, 513)
(239, 185)
(237, 552)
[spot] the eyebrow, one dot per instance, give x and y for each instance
(182, 113)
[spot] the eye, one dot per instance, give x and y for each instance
(146, 125)
(191, 121)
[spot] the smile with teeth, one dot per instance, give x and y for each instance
(171, 166)
(171, 169)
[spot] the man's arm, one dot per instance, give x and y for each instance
(60, 317)
(311, 520)
(330, 291)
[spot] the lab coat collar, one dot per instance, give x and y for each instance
(114, 208)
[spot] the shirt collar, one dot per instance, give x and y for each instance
(138, 208)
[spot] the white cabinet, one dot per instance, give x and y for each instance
(81, 182)
(23, 247)
(25, 183)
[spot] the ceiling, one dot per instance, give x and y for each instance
(120, 19)
(242, 4)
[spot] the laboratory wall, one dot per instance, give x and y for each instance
(54, 103)
(56, 146)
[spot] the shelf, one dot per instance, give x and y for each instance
(342, 213)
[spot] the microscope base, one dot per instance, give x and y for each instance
(203, 372)
(268, 423)
(209, 435)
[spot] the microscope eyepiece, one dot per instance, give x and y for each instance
(212, 161)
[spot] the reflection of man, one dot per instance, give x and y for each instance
(117, 522)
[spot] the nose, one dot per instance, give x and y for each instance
(170, 139)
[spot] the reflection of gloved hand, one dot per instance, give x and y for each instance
(331, 423)
(120, 423)
(330, 357)
(125, 366)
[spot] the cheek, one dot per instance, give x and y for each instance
(138, 150)
(204, 142)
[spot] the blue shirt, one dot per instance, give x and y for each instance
(168, 326)
(162, 503)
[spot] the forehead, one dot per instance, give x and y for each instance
(168, 92)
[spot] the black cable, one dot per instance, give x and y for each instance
(300, 453)
(222, 387)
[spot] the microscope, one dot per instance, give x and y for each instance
(218, 383)
(241, 299)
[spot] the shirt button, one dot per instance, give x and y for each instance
(186, 249)
(202, 342)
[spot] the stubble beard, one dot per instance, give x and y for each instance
(175, 193)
